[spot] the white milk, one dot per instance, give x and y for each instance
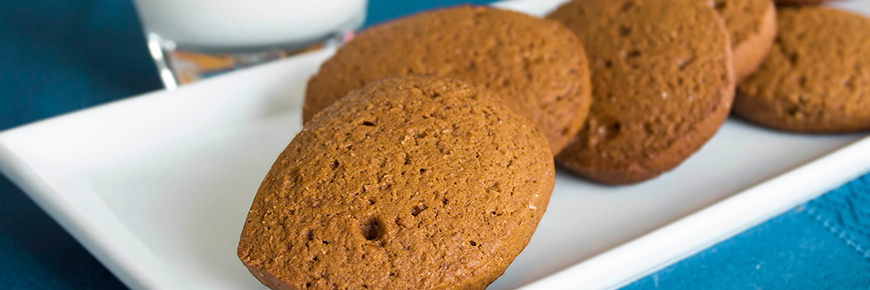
(221, 24)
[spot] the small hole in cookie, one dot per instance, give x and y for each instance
(802, 81)
(473, 244)
(417, 209)
(624, 30)
(333, 164)
(309, 235)
(608, 64)
(308, 285)
(632, 54)
(793, 58)
(371, 229)
(444, 200)
(422, 170)
(720, 5)
(419, 135)
(367, 123)
(610, 132)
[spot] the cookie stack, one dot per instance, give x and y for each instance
(427, 155)
(426, 158)
(537, 66)
(803, 71)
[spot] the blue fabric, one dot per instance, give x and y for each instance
(822, 245)
(35, 253)
(62, 55)
(58, 56)
(845, 213)
(380, 10)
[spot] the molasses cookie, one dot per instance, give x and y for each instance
(817, 77)
(407, 183)
(751, 25)
(662, 84)
(538, 66)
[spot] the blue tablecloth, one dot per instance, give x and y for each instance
(824, 244)
(58, 56)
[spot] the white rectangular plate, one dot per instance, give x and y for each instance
(157, 186)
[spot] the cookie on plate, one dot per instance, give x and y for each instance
(538, 66)
(407, 183)
(817, 77)
(662, 84)
(751, 25)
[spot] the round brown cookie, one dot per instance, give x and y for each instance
(751, 25)
(538, 66)
(817, 77)
(407, 183)
(662, 84)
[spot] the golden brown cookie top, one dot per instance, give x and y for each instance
(662, 84)
(751, 25)
(743, 18)
(537, 65)
(817, 77)
(407, 183)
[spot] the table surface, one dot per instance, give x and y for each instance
(58, 56)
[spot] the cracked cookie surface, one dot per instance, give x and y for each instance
(662, 84)
(817, 77)
(751, 26)
(536, 65)
(408, 183)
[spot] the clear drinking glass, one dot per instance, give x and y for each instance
(194, 39)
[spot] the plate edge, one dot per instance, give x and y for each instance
(38, 189)
(743, 201)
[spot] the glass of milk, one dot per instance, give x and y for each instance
(193, 39)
